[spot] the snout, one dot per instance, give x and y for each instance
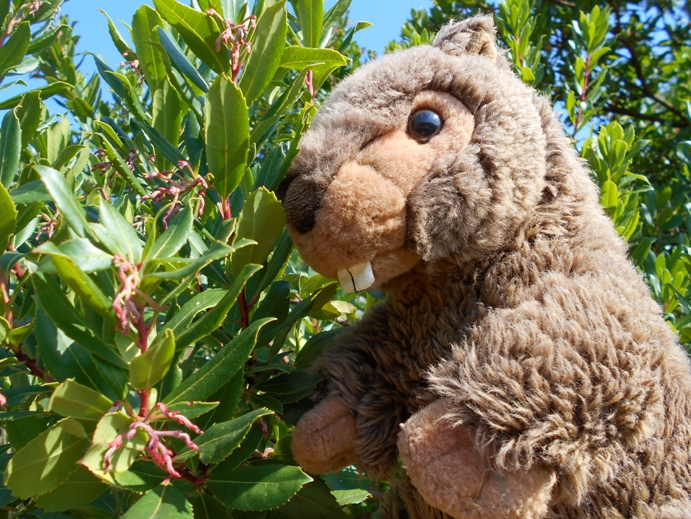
(357, 216)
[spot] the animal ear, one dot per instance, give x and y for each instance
(475, 35)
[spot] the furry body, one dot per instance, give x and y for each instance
(521, 320)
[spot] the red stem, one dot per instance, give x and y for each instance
(584, 95)
(244, 310)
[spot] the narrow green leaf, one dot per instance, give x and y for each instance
(65, 199)
(170, 242)
(118, 40)
(213, 319)
(47, 460)
(212, 375)
(13, 51)
(8, 218)
(221, 439)
(216, 251)
(180, 61)
(150, 367)
(10, 148)
(72, 399)
(314, 347)
(167, 120)
(163, 502)
(311, 16)
(199, 32)
(129, 95)
(262, 219)
(258, 488)
(299, 58)
(160, 143)
(334, 15)
(269, 41)
(193, 409)
(45, 91)
(45, 40)
(227, 135)
(199, 303)
(30, 112)
(145, 38)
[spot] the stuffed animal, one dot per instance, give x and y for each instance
(518, 365)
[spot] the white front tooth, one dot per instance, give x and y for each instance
(358, 277)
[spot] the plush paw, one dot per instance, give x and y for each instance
(324, 438)
(443, 464)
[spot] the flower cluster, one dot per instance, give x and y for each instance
(235, 37)
(155, 448)
(129, 301)
(174, 189)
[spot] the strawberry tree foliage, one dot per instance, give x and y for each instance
(156, 327)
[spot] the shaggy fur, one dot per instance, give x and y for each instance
(545, 380)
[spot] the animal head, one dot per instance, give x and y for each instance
(426, 153)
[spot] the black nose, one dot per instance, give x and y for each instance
(301, 197)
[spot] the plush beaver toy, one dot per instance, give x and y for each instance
(518, 366)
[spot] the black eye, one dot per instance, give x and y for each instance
(424, 124)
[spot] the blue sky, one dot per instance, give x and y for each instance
(386, 15)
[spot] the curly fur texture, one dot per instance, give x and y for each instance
(521, 310)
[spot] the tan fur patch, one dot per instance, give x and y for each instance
(323, 440)
(432, 447)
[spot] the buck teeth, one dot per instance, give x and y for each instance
(356, 278)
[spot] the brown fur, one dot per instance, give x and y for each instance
(511, 303)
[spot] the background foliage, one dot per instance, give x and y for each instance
(156, 326)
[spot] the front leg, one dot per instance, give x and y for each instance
(324, 438)
(442, 462)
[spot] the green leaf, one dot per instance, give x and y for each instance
(216, 251)
(56, 305)
(269, 41)
(47, 460)
(316, 498)
(199, 303)
(118, 234)
(80, 250)
(145, 38)
(199, 32)
(314, 347)
(227, 135)
(10, 148)
(174, 237)
(299, 58)
(609, 195)
(8, 219)
(311, 16)
(65, 199)
(13, 51)
(81, 284)
(163, 502)
(180, 61)
(118, 40)
(127, 93)
(72, 399)
(258, 488)
(213, 319)
(221, 439)
(212, 375)
(208, 507)
(262, 220)
(150, 367)
(30, 112)
(350, 497)
(80, 489)
(193, 409)
(107, 429)
(45, 92)
(167, 120)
